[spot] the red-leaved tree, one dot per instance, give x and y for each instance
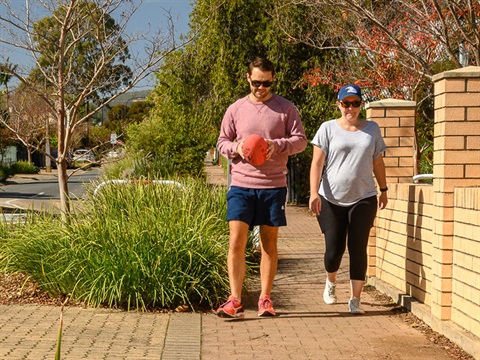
(392, 48)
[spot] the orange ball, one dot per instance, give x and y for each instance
(255, 149)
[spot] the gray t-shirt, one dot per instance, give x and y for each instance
(348, 173)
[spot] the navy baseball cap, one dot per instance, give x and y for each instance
(349, 90)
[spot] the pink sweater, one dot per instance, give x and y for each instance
(276, 119)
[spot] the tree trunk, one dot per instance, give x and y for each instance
(62, 161)
(63, 187)
(48, 160)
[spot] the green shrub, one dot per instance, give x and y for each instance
(176, 144)
(139, 167)
(24, 167)
(5, 172)
(138, 245)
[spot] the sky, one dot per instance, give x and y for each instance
(151, 13)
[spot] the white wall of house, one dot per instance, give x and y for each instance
(9, 156)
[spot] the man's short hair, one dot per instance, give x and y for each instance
(263, 64)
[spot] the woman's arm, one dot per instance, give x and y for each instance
(380, 175)
(316, 169)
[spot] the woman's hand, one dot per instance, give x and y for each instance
(383, 200)
(315, 204)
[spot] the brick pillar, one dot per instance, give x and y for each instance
(456, 162)
(396, 119)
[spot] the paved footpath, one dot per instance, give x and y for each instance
(306, 328)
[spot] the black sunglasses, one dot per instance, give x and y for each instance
(257, 83)
(347, 104)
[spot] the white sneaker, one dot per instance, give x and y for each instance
(329, 293)
(355, 306)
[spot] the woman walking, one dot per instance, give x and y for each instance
(347, 153)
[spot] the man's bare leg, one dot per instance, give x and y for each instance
(269, 260)
(236, 256)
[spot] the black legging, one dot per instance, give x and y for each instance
(356, 221)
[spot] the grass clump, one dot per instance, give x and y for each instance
(24, 167)
(140, 245)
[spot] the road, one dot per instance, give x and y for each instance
(40, 191)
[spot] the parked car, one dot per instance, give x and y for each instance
(83, 155)
(69, 159)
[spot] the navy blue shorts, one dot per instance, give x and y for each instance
(257, 206)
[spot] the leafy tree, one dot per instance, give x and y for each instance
(28, 120)
(391, 48)
(397, 43)
(79, 52)
(139, 111)
(121, 115)
(117, 118)
(99, 138)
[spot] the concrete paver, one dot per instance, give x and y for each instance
(30, 332)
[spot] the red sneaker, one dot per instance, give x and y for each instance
(265, 307)
(231, 309)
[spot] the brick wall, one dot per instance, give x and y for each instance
(457, 103)
(404, 240)
(466, 260)
(396, 119)
(426, 244)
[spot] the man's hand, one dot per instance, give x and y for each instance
(270, 149)
(240, 149)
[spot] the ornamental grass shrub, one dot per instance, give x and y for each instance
(138, 245)
(24, 167)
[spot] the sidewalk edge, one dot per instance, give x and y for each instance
(447, 328)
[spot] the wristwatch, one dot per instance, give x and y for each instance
(384, 189)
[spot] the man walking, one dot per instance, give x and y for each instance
(257, 194)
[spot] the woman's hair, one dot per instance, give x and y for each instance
(263, 64)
